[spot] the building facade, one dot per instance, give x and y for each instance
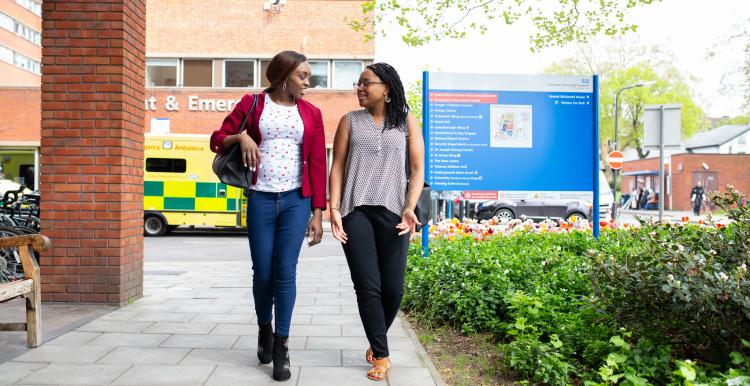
(713, 171)
(201, 57)
(20, 79)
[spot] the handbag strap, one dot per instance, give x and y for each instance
(250, 112)
(407, 163)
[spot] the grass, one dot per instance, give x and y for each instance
(461, 360)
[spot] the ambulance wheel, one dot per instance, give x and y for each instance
(154, 225)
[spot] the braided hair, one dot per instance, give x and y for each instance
(397, 109)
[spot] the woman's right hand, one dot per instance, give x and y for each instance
(336, 226)
(250, 153)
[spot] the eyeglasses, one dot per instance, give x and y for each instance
(364, 83)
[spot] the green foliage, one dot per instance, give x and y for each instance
(556, 23)
(668, 87)
(621, 310)
(686, 285)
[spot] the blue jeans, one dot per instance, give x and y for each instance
(276, 225)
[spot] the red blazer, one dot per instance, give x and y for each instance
(313, 142)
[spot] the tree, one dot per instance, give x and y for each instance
(556, 23)
(669, 87)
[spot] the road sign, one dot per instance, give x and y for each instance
(615, 159)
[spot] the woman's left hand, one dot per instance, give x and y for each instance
(408, 223)
(315, 229)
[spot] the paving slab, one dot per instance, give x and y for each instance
(125, 339)
(201, 341)
(165, 375)
(248, 375)
(13, 372)
(75, 374)
(145, 355)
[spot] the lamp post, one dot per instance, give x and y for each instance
(617, 116)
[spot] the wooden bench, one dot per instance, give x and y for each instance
(29, 287)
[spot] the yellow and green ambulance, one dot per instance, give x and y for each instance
(180, 189)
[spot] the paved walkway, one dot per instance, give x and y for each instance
(195, 325)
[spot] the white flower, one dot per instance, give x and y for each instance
(743, 267)
(736, 381)
(670, 278)
(723, 276)
(652, 234)
(712, 252)
(680, 247)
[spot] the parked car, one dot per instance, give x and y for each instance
(533, 209)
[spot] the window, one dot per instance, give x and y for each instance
(27, 33)
(20, 29)
(263, 67)
(319, 77)
(197, 73)
(161, 72)
(6, 54)
(26, 63)
(7, 22)
(32, 5)
(346, 72)
(239, 73)
(166, 165)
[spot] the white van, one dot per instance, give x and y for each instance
(606, 198)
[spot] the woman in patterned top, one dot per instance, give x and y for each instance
(285, 144)
(374, 189)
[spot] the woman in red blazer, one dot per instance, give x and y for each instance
(284, 143)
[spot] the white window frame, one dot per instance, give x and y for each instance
(333, 71)
(182, 72)
(164, 62)
(9, 22)
(329, 78)
(256, 70)
(32, 6)
(8, 54)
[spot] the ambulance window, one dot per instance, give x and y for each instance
(166, 165)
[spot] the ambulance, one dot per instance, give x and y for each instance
(180, 189)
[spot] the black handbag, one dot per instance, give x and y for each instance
(229, 166)
(422, 210)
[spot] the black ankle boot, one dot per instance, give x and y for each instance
(265, 343)
(281, 366)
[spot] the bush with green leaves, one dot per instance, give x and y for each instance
(684, 285)
(565, 308)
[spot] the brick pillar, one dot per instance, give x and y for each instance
(93, 77)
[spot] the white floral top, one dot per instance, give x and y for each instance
(281, 130)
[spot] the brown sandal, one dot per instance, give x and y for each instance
(379, 369)
(369, 355)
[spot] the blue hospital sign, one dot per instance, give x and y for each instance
(520, 135)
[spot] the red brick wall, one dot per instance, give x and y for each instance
(313, 27)
(19, 114)
(92, 149)
(732, 169)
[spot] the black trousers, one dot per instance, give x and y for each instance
(376, 255)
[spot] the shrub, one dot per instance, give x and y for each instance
(685, 285)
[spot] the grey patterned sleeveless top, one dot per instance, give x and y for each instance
(375, 172)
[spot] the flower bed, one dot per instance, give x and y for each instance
(567, 308)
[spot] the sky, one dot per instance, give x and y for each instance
(695, 32)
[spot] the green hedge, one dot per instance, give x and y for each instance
(565, 308)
